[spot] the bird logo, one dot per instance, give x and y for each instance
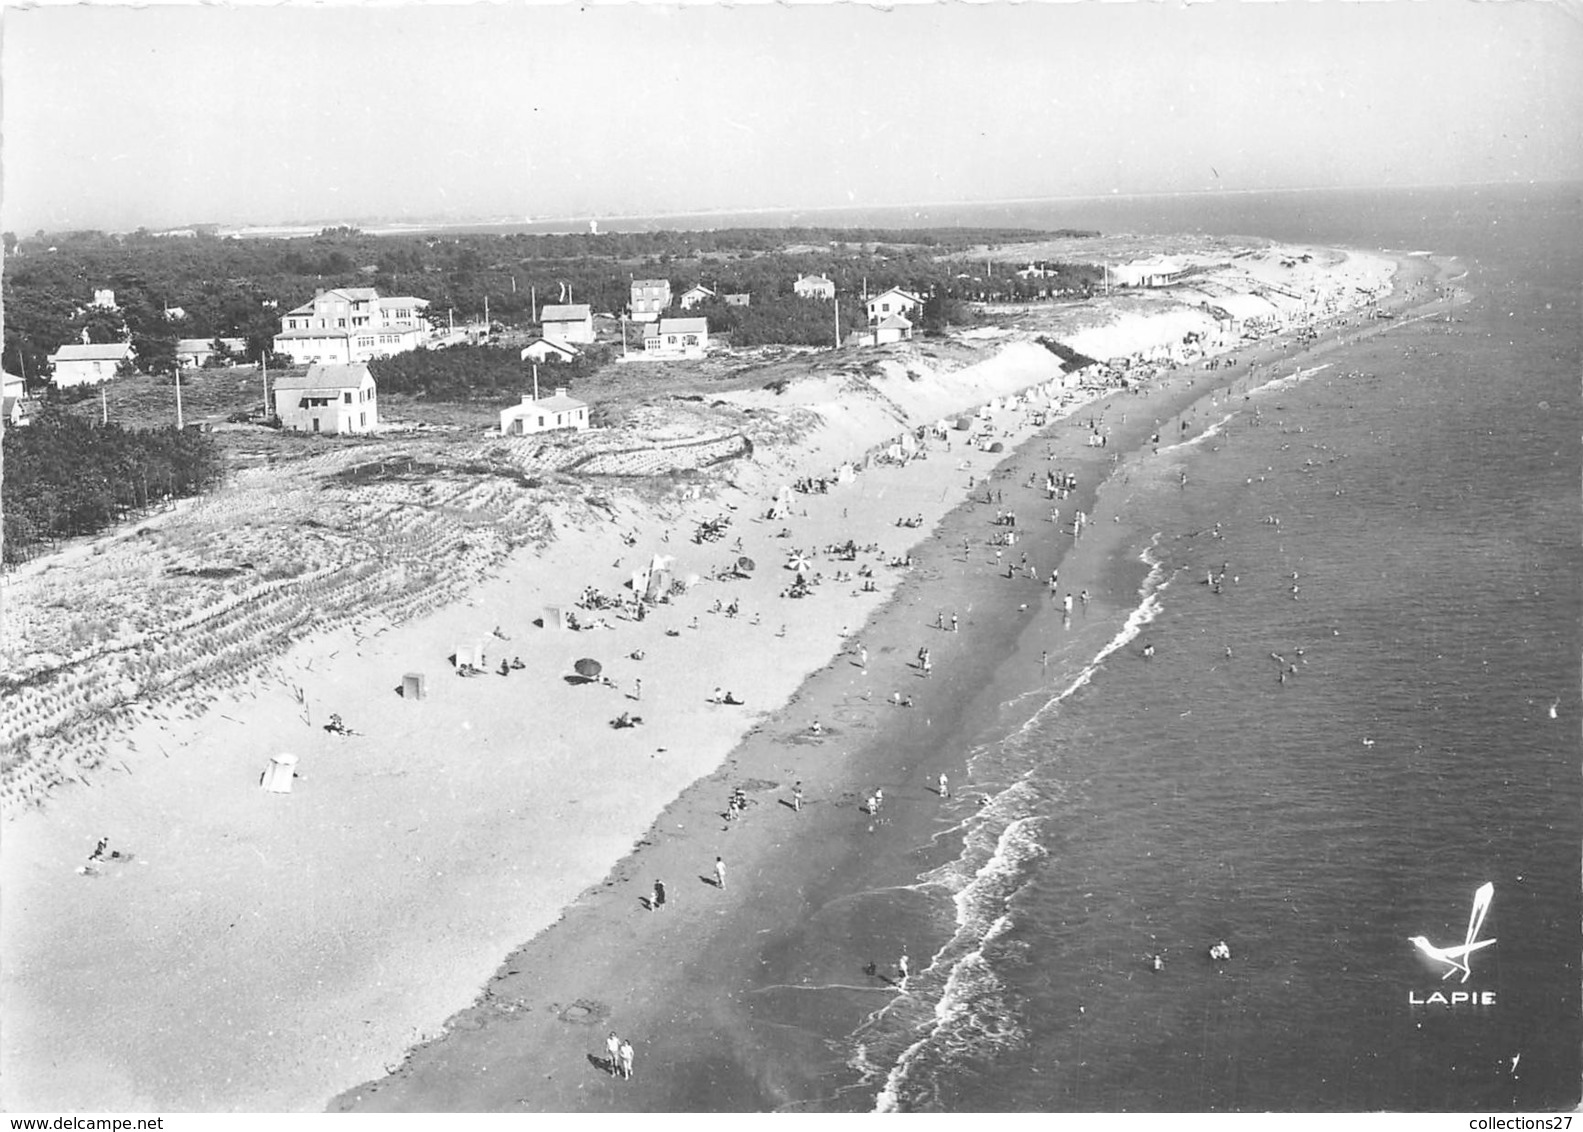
(1457, 958)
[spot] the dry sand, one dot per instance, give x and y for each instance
(262, 951)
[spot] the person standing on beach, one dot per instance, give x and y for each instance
(903, 966)
(626, 1059)
(613, 1047)
(953, 622)
(720, 873)
(945, 785)
(797, 797)
(658, 901)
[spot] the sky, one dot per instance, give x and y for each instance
(113, 117)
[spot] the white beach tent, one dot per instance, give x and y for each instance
(908, 444)
(278, 774)
(846, 474)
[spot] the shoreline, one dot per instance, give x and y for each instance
(693, 985)
(262, 910)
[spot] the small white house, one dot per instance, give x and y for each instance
(895, 328)
(544, 415)
(894, 301)
(695, 295)
(328, 398)
(86, 364)
(548, 350)
(813, 287)
(573, 322)
(677, 338)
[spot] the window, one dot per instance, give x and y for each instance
(362, 420)
(315, 424)
(341, 322)
(541, 422)
(347, 397)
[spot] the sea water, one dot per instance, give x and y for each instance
(1376, 712)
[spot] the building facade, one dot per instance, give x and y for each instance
(894, 301)
(571, 323)
(79, 364)
(351, 324)
(695, 295)
(677, 338)
(328, 398)
(650, 298)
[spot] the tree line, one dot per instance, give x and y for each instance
(65, 476)
(234, 287)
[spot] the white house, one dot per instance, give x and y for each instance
(571, 323)
(894, 301)
(197, 351)
(650, 298)
(104, 299)
(813, 287)
(894, 328)
(544, 415)
(351, 324)
(695, 295)
(677, 338)
(548, 350)
(88, 364)
(328, 398)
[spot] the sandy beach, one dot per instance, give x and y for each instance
(263, 951)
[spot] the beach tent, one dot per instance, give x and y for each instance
(640, 583)
(658, 585)
(556, 617)
(908, 444)
(894, 452)
(847, 474)
(414, 686)
(279, 773)
(464, 656)
(963, 424)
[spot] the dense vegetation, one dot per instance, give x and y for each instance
(65, 476)
(463, 373)
(240, 287)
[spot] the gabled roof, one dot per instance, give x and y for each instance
(553, 343)
(326, 377)
(99, 352)
(651, 282)
(571, 312)
(560, 403)
(697, 288)
(908, 295)
(895, 322)
(356, 294)
(402, 301)
(683, 326)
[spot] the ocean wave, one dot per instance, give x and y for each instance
(956, 1008)
(1212, 430)
(1276, 384)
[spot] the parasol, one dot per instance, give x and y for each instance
(746, 564)
(799, 562)
(588, 668)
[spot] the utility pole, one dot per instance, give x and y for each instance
(623, 334)
(104, 408)
(486, 316)
(535, 381)
(179, 424)
(263, 366)
(533, 301)
(838, 324)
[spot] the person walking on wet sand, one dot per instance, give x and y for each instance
(720, 873)
(658, 900)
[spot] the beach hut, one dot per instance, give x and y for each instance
(414, 686)
(464, 656)
(908, 443)
(847, 474)
(963, 424)
(557, 617)
(278, 774)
